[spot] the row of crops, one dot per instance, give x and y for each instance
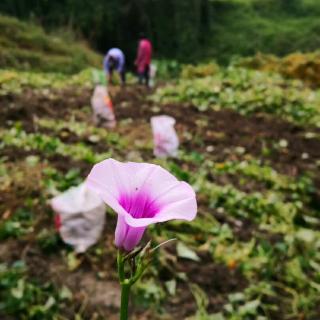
(248, 146)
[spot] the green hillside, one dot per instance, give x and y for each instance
(26, 46)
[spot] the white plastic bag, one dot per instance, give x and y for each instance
(165, 138)
(102, 107)
(152, 74)
(80, 215)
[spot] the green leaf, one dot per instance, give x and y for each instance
(250, 307)
(171, 286)
(216, 316)
(73, 261)
(65, 293)
(19, 290)
(184, 252)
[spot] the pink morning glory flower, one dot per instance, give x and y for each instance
(141, 194)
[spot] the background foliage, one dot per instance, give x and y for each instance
(183, 29)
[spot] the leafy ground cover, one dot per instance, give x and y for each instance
(296, 65)
(247, 92)
(249, 147)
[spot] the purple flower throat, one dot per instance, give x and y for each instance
(139, 205)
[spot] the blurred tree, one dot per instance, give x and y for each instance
(181, 29)
(177, 27)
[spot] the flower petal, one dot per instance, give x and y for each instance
(133, 237)
(111, 176)
(179, 202)
(121, 231)
(109, 179)
(151, 177)
(127, 237)
(112, 179)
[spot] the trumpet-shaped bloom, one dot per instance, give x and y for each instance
(141, 194)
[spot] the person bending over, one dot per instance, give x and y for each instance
(114, 61)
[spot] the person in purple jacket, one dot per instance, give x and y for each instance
(114, 60)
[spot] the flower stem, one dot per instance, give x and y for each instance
(137, 267)
(120, 264)
(125, 287)
(125, 290)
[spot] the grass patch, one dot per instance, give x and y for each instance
(26, 46)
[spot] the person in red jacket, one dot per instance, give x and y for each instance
(143, 59)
